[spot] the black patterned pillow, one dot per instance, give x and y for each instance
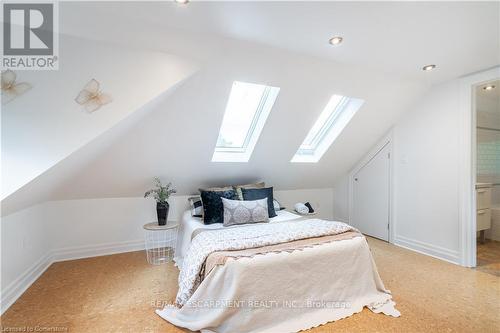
(196, 206)
(242, 212)
(213, 211)
(261, 193)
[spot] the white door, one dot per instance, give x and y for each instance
(371, 196)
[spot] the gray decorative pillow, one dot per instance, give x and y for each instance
(241, 212)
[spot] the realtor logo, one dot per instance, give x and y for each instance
(30, 36)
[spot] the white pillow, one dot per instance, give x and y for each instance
(301, 208)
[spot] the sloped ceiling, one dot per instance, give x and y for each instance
(44, 187)
(45, 125)
(174, 135)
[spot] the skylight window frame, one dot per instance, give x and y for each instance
(262, 111)
(338, 118)
(251, 129)
(325, 128)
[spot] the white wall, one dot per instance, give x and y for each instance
(426, 162)
(97, 222)
(425, 175)
(341, 200)
(79, 225)
(320, 199)
(60, 230)
(25, 246)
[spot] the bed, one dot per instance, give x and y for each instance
(288, 275)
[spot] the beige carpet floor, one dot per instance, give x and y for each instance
(119, 293)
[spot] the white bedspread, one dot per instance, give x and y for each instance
(189, 225)
(286, 292)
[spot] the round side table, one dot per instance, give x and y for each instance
(160, 241)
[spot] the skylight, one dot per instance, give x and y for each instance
(246, 113)
(330, 123)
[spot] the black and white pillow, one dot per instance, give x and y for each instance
(196, 206)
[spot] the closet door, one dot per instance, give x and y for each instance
(371, 191)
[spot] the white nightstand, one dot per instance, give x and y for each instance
(160, 241)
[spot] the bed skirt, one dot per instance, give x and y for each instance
(286, 292)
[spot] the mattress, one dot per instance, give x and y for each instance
(189, 226)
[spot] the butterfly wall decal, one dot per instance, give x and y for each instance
(91, 96)
(11, 89)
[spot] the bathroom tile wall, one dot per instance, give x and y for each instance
(488, 160)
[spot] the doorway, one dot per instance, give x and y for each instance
(487, 186)
(371, 195)
(471, 203)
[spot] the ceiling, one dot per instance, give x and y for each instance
(392, 37)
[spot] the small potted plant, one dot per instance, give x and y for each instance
(161, 194)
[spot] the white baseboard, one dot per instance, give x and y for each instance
(88, 251)
(428, 249)
(15, 289)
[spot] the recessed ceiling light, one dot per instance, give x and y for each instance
(489, 87)
(183, 2)
(428, 68)
(336, 40)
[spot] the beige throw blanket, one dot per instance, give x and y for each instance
(246, 237)
(285, 291)
(220, 257)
